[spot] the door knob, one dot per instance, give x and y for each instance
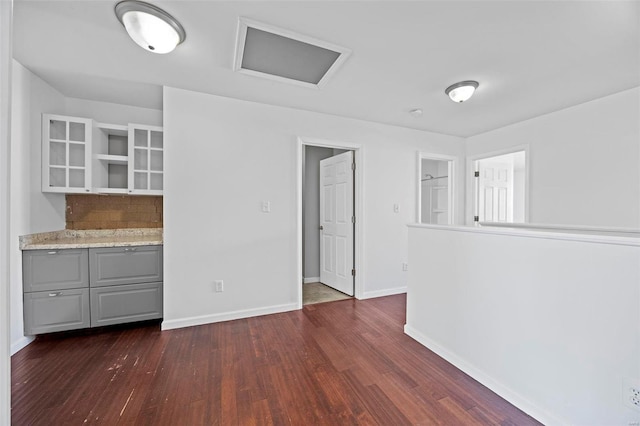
(321, 228)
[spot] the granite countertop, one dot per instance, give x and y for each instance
(69, 239)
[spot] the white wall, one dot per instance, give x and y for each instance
(551, 325)
(33, 98)
(31, 210)
(105, 112)
(6, 15)
(584, 162)
(311, 209)
(223, 157)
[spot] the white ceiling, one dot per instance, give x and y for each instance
(530, 57)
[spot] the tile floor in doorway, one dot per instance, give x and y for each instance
(319, 293)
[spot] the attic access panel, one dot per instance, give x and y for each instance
(273, 53)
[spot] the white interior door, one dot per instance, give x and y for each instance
(336, 222)
(495, 191)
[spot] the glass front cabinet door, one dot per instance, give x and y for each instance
(145, 159)
(66, 154)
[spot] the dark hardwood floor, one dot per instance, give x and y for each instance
(338, 363)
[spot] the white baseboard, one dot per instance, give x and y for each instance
(311, 280)
(227, 316)
(506, 393)
(21, 343)
(385, 292)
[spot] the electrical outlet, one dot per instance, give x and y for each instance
(405, 266)
(631, 393)
(265, 207)
(396, 208)
(218, 286)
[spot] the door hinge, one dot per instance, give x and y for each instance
(476, 174)
(353, 272)
(353, 219)
(476, 218)
(353, 166)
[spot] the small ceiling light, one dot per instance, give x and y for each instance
(461, 91)
(150, 27)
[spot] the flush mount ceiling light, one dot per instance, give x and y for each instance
(150, 27)
(461, 91)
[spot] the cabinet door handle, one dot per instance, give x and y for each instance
(57, 293)
(130, 249)
(52, 252)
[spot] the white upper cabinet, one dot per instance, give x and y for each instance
(145, 159)
(66, 154)
(83, 156)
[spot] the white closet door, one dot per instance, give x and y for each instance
(336, 222)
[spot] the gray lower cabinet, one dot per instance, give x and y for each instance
(125, 265)
(79, 288)
(55, 269)
(125, 303)
(49, 311)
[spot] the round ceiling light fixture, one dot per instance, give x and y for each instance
(462, 91)
(150, 27)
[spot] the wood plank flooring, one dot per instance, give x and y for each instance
(337, 363)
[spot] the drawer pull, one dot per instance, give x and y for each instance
(130, 249)
(52, 252)
(56, 294)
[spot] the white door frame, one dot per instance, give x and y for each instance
(358, 261)
(453, 168)
(471, 193)
(6, 22)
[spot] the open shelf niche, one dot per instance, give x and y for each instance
(111, 158)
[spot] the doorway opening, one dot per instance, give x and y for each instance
(329, 232)
(501, 183)
(436, 175)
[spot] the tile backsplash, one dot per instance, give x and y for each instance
(113, 211)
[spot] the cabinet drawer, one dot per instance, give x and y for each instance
(125, 303)
(125, 265)
(55, 269)
(48, 311)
